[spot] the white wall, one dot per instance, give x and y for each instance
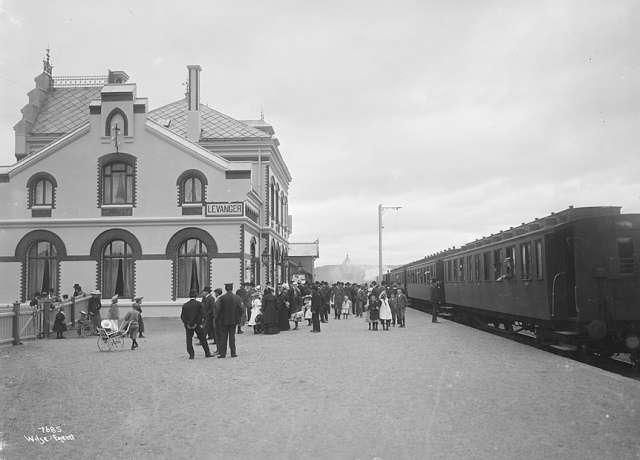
(153, 280)
(9, 282)
(225, 271)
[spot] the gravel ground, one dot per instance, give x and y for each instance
(427, 391)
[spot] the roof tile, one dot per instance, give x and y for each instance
(215, 125)
(64, 110)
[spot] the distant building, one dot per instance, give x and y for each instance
(117, 197)
(302, 257)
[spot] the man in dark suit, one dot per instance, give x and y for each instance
(208, 304)
(316, 308)
(191, 317)
(228, 311)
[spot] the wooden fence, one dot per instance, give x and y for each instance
(21, 321)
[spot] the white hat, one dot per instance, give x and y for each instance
(105, 323)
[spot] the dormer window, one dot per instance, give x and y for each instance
(41, 188)
(116, 118)
(191, 192)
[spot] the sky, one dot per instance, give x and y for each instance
(472, 116)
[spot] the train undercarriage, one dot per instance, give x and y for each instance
(580, 339)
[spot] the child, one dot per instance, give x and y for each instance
(346, 307)
(308, 315)
(374, 309)
(256, 312)
(131, 324)
(59, 325)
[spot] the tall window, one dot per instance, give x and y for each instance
(625, 254)
(525, 254)
(486, 262)
(192, 190)
(117, 183)
(117, 269)
(192, 268)
(43, 193)
(476, 267)
(42, 268)
(254, 265)
(497, 264)
(539, 260)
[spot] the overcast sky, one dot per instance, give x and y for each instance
(473, 116)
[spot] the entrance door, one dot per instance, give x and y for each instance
(561, 273)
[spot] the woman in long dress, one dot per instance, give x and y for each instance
(114, 312)
(385, 311)
(269, 312)
(374, 312)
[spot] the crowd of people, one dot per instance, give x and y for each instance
(216, 318)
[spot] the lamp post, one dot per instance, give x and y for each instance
(381, 209)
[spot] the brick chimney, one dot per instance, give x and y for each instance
(193, 103)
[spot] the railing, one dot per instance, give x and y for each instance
(79, 81)
(21, 321)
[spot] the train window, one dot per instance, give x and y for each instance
(456, 269)
(538, 255)
(476, 267)
(486, 262)
(510, 261)
(449, 270)
(625, 255)
(497, 264)
(469, 266)
(525, 253)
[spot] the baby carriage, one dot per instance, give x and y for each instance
(110, 339)
(85, 325)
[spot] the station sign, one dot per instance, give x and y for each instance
(225, 209)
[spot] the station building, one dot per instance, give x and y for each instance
(117, 197)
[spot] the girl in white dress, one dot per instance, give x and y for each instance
(385, 311)
(346, 307)
(256, 309)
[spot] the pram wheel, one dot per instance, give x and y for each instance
(115, 343)
(103, 343)
(85, 331)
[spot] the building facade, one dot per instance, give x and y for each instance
(302, 257)
(114, 196)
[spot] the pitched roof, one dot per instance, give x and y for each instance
(64, 109)
(215, 125)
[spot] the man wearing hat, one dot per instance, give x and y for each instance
(208, 304)
(191, 317)
(228, 311)
(137, 306)
(93, 308)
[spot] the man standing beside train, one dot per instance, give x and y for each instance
(436, 299)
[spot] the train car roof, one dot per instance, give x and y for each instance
(555, 219)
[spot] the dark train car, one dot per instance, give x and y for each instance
(574, 273)
(422, 280)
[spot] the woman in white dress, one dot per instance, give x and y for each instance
(385, 311)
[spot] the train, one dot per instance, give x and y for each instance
(570, 279)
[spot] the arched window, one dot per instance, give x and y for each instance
(117, 183)
(117, 269)
(192, 267)
(191, 191)
(277, 204)
(273, 200)
(116, 117)
(253, 277)
(42, 194)
(42, 268)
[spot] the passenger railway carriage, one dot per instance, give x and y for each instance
(571, 277)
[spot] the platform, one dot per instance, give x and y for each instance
(428, 391)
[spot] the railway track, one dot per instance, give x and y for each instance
(619, 364)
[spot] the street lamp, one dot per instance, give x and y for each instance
(380, 227)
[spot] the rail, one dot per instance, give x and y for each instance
(22, 321)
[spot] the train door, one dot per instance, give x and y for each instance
(561, 278)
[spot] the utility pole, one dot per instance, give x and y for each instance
(380, 227)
